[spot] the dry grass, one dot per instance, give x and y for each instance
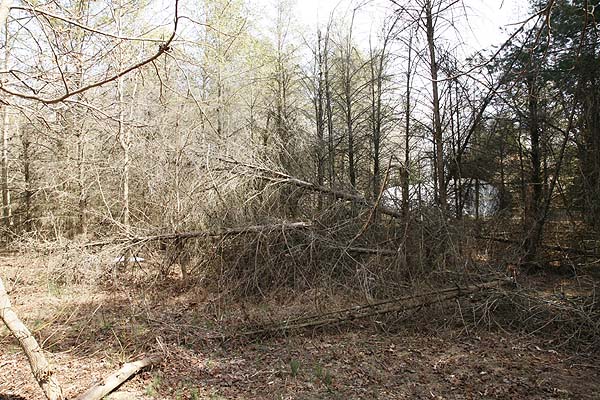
(457, 350)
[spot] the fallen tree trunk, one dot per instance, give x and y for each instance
(282, 178)
(43, 371)
(196, 234)
(404, 303)
(41, 368)
(117, 378)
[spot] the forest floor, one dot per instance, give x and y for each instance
(89, 331)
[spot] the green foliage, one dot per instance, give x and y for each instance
(324, 375)
(294, 367)
(154, 386)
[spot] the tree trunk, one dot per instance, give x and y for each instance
(81, 183)
(533, 221)
(406, 169)
(348, 103)
(42, 371)
(591, 159)
(6, 203)
(123, 133)
(329, 112)
(319, 115)
(437, 122)
(25, 142)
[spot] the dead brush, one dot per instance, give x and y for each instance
(384, 258)
(67, 261)
(562, 320)
(71, 262)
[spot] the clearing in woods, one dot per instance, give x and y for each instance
(88, 332)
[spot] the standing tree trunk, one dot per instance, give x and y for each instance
(78, 128)
(375, 84)
(6, 204)
(437, 122)
(533, 219)
(378, 64)
(81, 184)
(406, 169)
(329, 112)
(319, 115)
(124, 136)
(26, 157)
(125, 143)
(591, 157)
(348, 97)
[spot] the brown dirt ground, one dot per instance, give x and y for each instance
(89, 332)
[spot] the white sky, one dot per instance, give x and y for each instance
(485, 17)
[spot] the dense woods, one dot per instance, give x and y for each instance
(221, 146)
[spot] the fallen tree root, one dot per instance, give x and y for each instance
(399, 304)
(117, 378)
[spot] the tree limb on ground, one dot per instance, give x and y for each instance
(41, 368)
(399, 304)
(43, 372)
(117, 378)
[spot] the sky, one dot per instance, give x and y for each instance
(483, 29)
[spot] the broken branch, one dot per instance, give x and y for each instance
(196, 234)
(280, 177)
(117, 378)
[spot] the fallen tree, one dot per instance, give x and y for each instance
(196, 234)
(44, 373)
(282, 178)
(399, 304)
(41, 368)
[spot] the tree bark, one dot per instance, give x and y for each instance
(6, 203)
(329, 112)
(41, 368)
(348, 98)
(117, 378)
(406, 169)
(437, 122)
(319, 115)
(26, 143)
(533, 220)
(591, 157)
(123, 133)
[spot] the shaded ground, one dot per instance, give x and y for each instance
(88, 333)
